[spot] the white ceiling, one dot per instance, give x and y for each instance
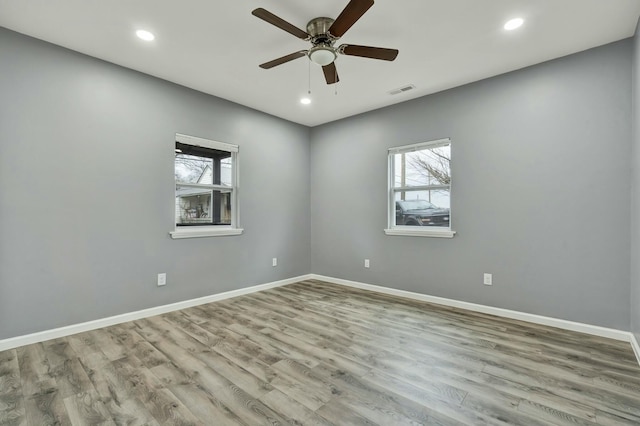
(215, 46)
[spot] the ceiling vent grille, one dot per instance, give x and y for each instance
(402, 89)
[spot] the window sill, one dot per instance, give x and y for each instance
(421, 232)
(205, 232)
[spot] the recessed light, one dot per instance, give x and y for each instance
(305, 101)
(513, 24)
(145, 35)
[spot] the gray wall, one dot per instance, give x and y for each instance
(635, 192)
(541, 184)
(86, 191)
(541, 191)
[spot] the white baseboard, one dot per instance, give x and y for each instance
(522, 316)
(55, 333)
(635, 346)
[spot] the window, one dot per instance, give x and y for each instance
(206, 182)
(420, 190)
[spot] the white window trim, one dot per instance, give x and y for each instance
(205, 231)
(411, 231)
(214, 230)
(408, 231)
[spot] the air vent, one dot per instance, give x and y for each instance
(402, 89)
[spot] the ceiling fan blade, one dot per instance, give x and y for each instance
(330, 73)
(280, 61)
(354, 10)
(265, 15)
(368, 52)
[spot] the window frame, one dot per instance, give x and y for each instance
(415, 231)
(198, 231)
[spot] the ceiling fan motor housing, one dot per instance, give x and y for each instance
(318, 28)
(322, 53)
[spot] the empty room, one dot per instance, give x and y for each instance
(319, 213)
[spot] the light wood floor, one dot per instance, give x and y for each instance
(314, 353)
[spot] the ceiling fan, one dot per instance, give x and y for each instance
(323, 33)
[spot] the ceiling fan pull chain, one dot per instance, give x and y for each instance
(309, 79)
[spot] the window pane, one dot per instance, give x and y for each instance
(225, 172)
(216, 169)
(194, 169)
(428, 166)
(195, 206)
(422, 208)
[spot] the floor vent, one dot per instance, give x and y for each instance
(402, 89)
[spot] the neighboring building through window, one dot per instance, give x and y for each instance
(205, 188)
(419, 190)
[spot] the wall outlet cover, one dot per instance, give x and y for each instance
(162, 279)
(488, 279)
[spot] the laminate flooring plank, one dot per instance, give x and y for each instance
(46, 408)
(604, 418)
(246, 360)
(116, 390)
(551, 415)
(321, 353)
(493, 413)
(443, 404)
(129, 338)
(10, 386)
(70, 377)
(337, 413)
(299, 392)
(12, 410)
(34, 367)
(196, 332)
(245, 380)
(620, 383)
(87, 408)
(279, 349)
(236, 342)
(371, 401)
(14, 416)
(205, 406)
(295, 412)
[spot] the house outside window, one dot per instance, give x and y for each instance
(206, 188)
(419, 191)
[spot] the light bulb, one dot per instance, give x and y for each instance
(513, 24)
(145, 35)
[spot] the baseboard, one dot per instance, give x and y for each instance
(522, 316)
(635, 346)
(55, 333)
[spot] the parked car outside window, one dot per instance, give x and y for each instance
(420, 213)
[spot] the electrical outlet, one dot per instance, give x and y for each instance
(162, 279)
(274, 262)
(488, 279)
(366, 263)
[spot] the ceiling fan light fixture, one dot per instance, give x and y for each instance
(322, 55)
